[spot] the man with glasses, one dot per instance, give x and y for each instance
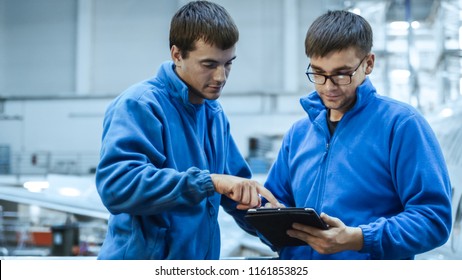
(371, 165)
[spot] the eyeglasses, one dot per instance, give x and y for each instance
(337, 79)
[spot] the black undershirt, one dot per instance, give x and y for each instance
(330, 124)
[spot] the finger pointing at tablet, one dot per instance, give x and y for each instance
(244, 191)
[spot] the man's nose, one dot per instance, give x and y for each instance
(329, 83)
(220, 74)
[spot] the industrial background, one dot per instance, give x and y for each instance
(63, 61)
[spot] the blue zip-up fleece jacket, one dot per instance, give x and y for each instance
(382, 171)
(157, 153)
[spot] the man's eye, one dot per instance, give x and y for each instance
(210, 65)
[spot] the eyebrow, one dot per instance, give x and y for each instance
(345, 67)
(209, 60)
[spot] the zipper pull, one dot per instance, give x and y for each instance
(327, 151)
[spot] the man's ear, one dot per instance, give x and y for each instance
(370, 63)
(176, 55)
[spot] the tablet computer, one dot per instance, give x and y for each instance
(273, 223)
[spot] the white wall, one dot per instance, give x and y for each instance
(130, 40)
(39, 47)
(259, 52)
(2, 47)
(53, 125)
(64, 134)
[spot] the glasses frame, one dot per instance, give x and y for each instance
(335, 75)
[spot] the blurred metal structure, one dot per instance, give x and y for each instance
(447, 125)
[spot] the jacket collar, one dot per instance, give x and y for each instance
(178, 89)
(313, 106)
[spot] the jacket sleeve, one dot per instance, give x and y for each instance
(130, 178)
(421, 179)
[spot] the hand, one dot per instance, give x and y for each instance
(270, 205)
(244, 191)
(336, 239)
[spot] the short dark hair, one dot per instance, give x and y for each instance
(204, 20)
(337, 31)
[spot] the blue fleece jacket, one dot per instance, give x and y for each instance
(157, 153)
(382, 171)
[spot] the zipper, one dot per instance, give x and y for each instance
(330, 140)
(200, 137)
(322, 166)
(326, 152)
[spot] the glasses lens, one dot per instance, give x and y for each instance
(341, 79)
(317, 79)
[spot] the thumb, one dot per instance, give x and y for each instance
(331, 221)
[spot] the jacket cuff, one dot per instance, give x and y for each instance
(203, 180)
(368, 240)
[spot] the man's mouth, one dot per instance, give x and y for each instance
(331, 96)
(215, 87)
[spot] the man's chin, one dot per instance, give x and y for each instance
(212, 96)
